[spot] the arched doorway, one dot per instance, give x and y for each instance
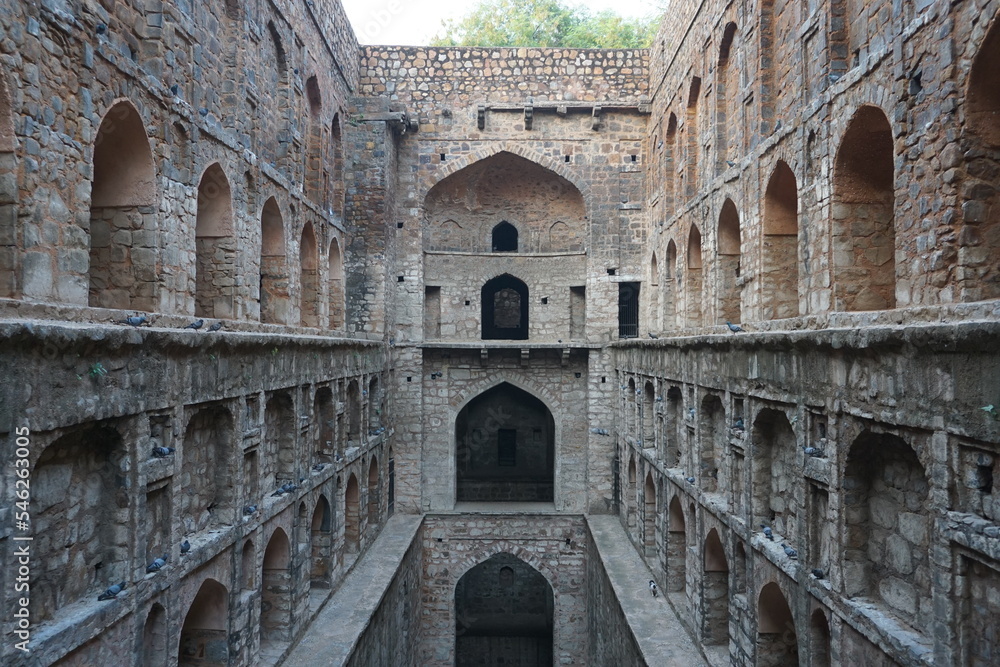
(777, 643)
(505, 448)
(503, 615)
(204, 636)
(352, 515)
(276, 594)
(505, 309)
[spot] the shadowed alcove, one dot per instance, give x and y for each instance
(503, 615)
(505, 448)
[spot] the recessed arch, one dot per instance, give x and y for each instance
(773, 463)
(215, 246)
(649, 515)
(336, 277)
(337, 187)
(715, 592)
(670, 286)
(273, 265)
(777, 642)
(779, 261)
(209, 497)
(279, 439)
(504, 237)
(276, 589)
(863, 229)
(726, 87)
(712, 443)
(819, 639)
(505, 447)
(204, 636)
(654, 294)
(123, 244)
(308, 278)
(503, 601)
(728, 263)
(315, 167)
(505, 308)
(500, 188)
(373, 493)
(321, 544)
(695, 280)
(676, 547)
(352, 515)
(154, 636)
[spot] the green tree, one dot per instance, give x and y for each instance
(545, 23)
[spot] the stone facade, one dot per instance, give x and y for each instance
(489, 288)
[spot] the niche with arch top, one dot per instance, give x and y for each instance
(505, 309)
(504, 237)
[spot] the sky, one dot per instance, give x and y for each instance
(415, 22)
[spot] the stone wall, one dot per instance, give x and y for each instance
(551, 545)
(103, 506)
(610, 639)
(889, 445)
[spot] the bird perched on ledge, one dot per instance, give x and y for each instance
(157, 564)
(216, 326)
(112, 592)
(735, 328)
(197, 324)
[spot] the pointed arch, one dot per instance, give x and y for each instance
(670, 287)
(374, 497)
(715, 592)
(352, 515)
(779, 261)
(863, 229)
(777, 641)
(505, 308)
(336, 277)
(649, 515)
(728, 263)
(695, 279)
(504, 237)
(215, 247)
(321, 544)
(205, 631)
(671, 159)
(154, 636)
(505, 459)
(692, 147)
(655, 323)
(676, 547)
(726, 87)
(337, 187)
(315, 163)
(308, 278)
(273, 265)
(123, 222)
(501, 601)
(276, 589)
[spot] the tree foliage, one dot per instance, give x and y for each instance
(545, 23)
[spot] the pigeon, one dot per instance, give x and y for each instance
(691, 413)
(818, 573)
(738, 424)
(185, 547)
(777, 126)
(216, 326)
(157, 564)
(834, 78)
(768, 533)
(112, 592)
(318, 467)
(203, 111)
(790, 552)
(249, 509)
(735, 328)
(101, 28)
(812, 451)
(174, 88)
(162, 452)
(690, 480)
(135, 320)
(659, 399)
(652, 587)
(730, 163)
(337, 458)
(653, 335)
(197, 324)
(599, 431)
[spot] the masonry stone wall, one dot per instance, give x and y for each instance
(610, 640)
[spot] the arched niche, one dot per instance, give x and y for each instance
(276, 589)
(505, 447)
(308, 278)
(779, 260)
(204, 640)
(728, 263)
(273, 265)
(503, 187)
(503, 602)
(215, 247)
(505, 308)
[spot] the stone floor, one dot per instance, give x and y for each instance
(335, 630)
(662, 638)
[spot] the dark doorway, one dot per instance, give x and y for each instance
(505, 448)
(505, 237)
(505, 309)
(503, 615)
(628, 310)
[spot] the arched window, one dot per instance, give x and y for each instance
(728, 263)
(308, 279)
(505, 309)
(215, 245)
(505, 237)
(273, 268)
(780, 266)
